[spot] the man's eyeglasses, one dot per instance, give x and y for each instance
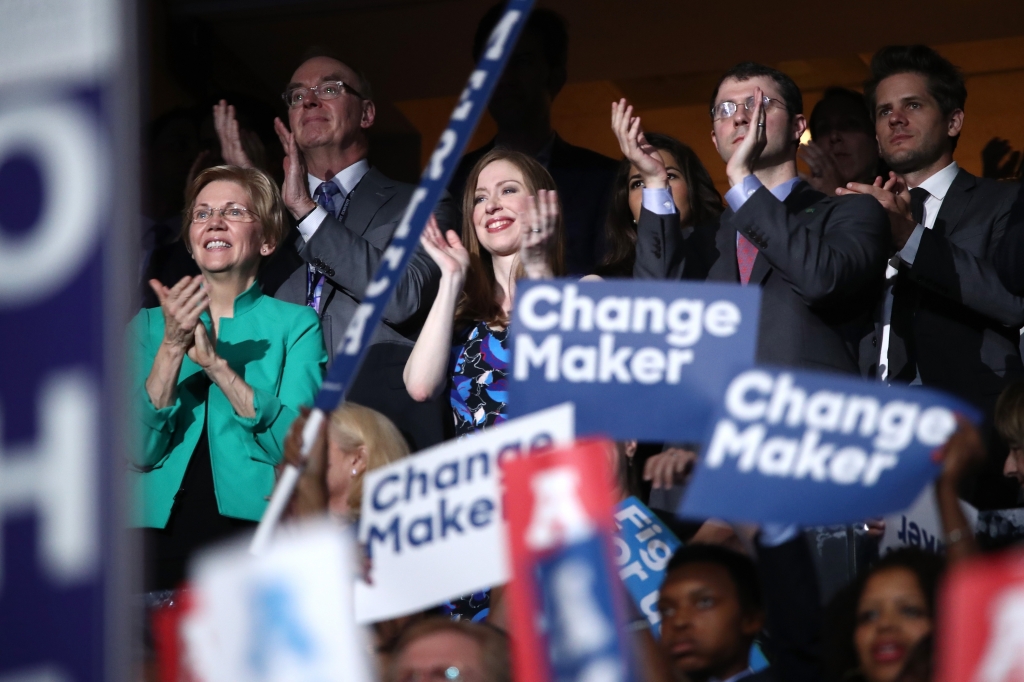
(235, 214)
(728, 109)
(326, 91)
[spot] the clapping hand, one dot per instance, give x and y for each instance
(202, 351)
(295, 190)
(630, 134)
(746, 154)
(825, 176)
(311, 495)
(894, 197)
(670, 467)
(226, 124)
(181, 306)
(537, 237)
(446, 249)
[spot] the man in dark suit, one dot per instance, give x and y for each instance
(346, 212)
(948, 322)
(521, 106)
(817, 259)
(715, 601)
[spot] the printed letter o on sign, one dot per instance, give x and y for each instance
(64, 143)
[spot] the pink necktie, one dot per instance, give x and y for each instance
(746, 254)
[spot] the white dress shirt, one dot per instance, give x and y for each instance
(936, 186)
(346, 180)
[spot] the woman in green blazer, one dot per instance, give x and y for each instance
(221, 372)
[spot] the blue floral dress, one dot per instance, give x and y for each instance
(479, 366)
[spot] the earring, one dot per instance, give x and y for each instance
(355, 472)
(634, 221)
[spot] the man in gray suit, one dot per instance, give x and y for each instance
(346, 212)
(948, 321)
(818, 259)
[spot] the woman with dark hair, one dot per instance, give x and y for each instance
(512, 227)
(886, 614)
(695, 196)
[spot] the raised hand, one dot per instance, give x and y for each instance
(538, 232)
(824, 176)
(181, 306)
(745, 157)
(630, 134)
(295, 190)
(894, 197)
(670, 467)
(311, 496)
(226, 125)
(446, 249)
(963, 453)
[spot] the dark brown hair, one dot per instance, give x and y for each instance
(264, 199)
(479, 300)
(620, 230)
(1009, 414)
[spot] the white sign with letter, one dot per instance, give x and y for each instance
(433, 523)
(920, 525)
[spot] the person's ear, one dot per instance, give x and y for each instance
(267, 247)
(752, 623)
(369, 114)
(360, 458)
(799, 127)
(956, 123)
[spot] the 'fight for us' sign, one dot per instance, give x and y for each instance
(813, 448)
(644, 360)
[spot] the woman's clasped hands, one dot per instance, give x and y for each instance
(182, 305)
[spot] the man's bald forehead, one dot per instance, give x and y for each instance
(326, 69)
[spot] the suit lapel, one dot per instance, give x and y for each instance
(372, 192)
(958, 196)
(800, 198)
(725, 268)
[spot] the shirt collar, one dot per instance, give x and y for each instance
(735, 678)
(782, 192)
(938, 184)
(244, 302)
(345, 179)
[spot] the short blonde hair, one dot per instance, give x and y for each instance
(353, 426)
(493, 643)
(1009, 414)
(264, 199)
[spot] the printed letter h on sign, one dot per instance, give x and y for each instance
(56, 477)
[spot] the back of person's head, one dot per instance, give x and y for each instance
(353, 426)
(264, 199)
(945, 82)
(1009, 414)
(740, 568)
(435, 645)
(479, 302)
(548, 26)
(840, 109)
(705, 204)
(789, 91)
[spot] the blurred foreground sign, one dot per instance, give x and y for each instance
(564, 598)
(421, 512)
(814, 449)
(645, 360)
(286, 615)
(64, 127)
(980, 630)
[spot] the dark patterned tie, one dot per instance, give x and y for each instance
(902, 360)
(326, 196)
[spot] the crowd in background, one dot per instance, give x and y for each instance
(884, 260)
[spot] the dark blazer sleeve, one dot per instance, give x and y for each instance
(1008, 259)
(840, 261)
(959, 275)
(354, 260)
(660, 248)
(789, 583)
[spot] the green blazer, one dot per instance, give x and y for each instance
(278, 349)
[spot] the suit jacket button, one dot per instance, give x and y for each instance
(874, 340)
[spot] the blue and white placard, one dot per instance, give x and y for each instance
(643, 546)
(812, 448)
(66, 127)
(644, 360)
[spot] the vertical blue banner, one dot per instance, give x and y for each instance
(63, 274)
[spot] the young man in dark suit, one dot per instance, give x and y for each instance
(948, 321)
(817, 259)
(521, 106)
(714, 602)
(346, 212)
